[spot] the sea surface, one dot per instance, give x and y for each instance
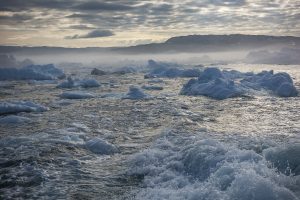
(169, 146)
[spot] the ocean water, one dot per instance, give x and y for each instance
(165, 147)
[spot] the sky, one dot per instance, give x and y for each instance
(104, 23)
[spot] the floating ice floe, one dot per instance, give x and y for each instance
(220, 85)
(86, 83)
(280, 84)
(32, 72)
(20, 106)
(212, 83)
(99, 146)
(160, 69)
(135, 93)
(185, 167)
(13, 119)
(76, 95)
(71, 83)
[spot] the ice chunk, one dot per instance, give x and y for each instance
(173, 73)
(86, 83)
(32, 72)
(170, 70)
(135, 93)
(49, 69)
(99, 146)
(209, 74)
(13, 119)
(280, 84)
(286, 90)
(76, 95)
(234, 74)
(20, 106)
(98, 72)
(220, 85)
(71, 83)
(217, 89)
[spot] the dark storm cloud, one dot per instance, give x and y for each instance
(92, 34)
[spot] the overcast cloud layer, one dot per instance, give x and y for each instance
(130, 22)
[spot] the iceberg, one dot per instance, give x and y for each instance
(169, 70)
(212, 83)
(32, 72)
(280, 84)
(218, 84)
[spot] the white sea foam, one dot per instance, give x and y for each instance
(188, 167)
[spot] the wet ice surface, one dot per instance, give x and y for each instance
(200, 145)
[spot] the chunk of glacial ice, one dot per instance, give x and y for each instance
(217, 89)
(135, 93)
(85, 83)
(20, 106)
(14, 119)
(76, 95)
(280, 84)
(100, 146)
(32, 72)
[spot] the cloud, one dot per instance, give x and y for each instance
(92, 34)
(147, 18)
(80, 27)
(75, 5)
(96, 6)
(15, 18)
